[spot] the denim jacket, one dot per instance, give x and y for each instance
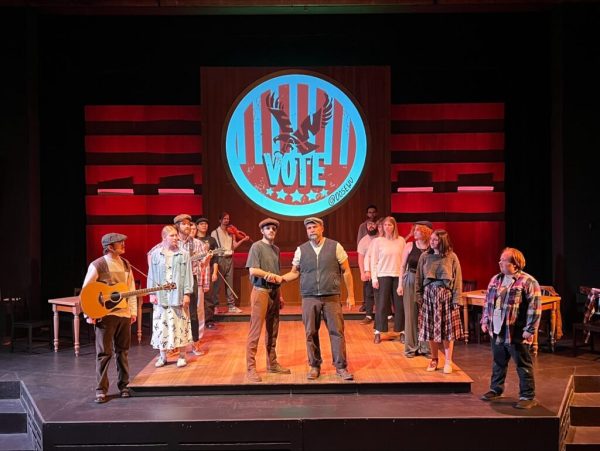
(182, 276)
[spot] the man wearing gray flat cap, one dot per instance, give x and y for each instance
(318, 262)
(113, 331)
(265, 299)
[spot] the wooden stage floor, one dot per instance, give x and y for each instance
(381, 368)
(59, 389)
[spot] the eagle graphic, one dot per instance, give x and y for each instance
(311, 125)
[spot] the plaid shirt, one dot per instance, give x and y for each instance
(193, 246)
(204, 274)
(521, 307)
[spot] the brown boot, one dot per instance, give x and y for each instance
(253, 376)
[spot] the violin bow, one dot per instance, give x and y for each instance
(228, 286)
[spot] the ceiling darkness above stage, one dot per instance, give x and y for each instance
(239, 7)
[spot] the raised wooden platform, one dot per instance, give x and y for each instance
(378, 368)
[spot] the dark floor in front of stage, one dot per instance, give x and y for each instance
(63, 389)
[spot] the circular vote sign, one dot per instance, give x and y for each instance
(295, 144)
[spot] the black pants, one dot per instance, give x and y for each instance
(368, 297)
(519, 352)
(194, 310)
(383, 305)
(113, 334)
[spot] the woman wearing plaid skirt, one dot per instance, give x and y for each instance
(439, 286)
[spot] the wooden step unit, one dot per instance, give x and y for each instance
(584, 409)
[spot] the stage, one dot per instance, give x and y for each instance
(378, 368)
(280, 412)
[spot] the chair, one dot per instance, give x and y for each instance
(548, 290)
(474, 317)
(591, 321)
(20, 305)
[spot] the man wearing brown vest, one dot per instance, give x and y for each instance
(114, 329)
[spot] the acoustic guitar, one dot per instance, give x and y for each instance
(99, 299)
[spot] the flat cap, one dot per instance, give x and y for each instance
(425, 223)
(111, 238)
(314, 220)
(181, 217)
(202, 219)
(268, 221)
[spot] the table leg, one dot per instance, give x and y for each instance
(76, 331)
(139, 321)
(466, 321)
(56, 323)
(552, 328)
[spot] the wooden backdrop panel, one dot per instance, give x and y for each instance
(370, 86)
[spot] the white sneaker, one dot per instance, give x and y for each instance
(235, 310)
(447, 368)
(197, 351)
(181, 362)
(160, 362)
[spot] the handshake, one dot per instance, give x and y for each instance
(273, 278)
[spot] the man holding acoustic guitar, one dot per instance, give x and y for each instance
(113, 329)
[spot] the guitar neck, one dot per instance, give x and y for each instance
(141, 292)
(214, 253)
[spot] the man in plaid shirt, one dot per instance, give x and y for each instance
(511, 316)
(193, 246)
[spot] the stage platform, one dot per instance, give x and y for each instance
(58, 391)
(377, 368)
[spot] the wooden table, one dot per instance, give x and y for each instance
(477, 298)
(72, 305)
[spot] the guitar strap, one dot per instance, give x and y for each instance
(141, 272)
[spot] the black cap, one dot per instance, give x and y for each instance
(425, 223)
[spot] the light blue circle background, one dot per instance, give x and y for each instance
(235, 128)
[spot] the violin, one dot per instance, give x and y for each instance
(238, 234)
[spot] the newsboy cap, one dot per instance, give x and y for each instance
(111, 238)
(314, 220)
(181, 217)
(202, 219)
(268, 221)
(425, 223)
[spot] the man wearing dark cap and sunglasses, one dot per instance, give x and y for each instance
(113, 331)
(265, 299)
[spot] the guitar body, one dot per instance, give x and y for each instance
(99, 299)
